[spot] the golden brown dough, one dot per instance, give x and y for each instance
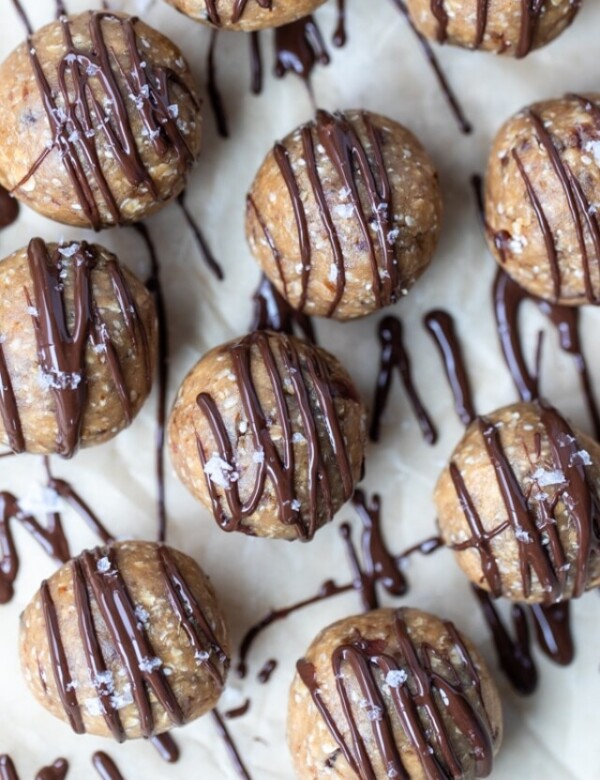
(344, 214)
(246, 15)
(77, 347)
(171, 672)
(375, 664)
(519, 504)
(542, 189)
(269, 432)
(118, 147)
(511, 27)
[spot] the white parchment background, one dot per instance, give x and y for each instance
(553, 734)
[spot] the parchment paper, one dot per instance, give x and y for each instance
(552, 734)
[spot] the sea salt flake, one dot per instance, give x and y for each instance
(68, 250)
(103, 565)
(149, 665)
(201, 656)
(396, 677)
(220, 472)
(580, 458)
(298, 438)
(522, 535)
(545, 477)
(296, 505)
(258, 456)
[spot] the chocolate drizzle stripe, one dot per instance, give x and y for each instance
(230, 746)
(463, 123)
(440, 325)
(9, 208)
(166, 747)
(541, 549)
(275, 466)
(272, 312)
(427, 734)
(395, 356)
(207, 254)
(130, 640)
(62, 351)
(351, 160)
(340, 36)
(60, 664)
(508, 298)
(299, 46)
(212, 88)
(51, 536)
(106, 767)
(9, 411)
(18, 6)
(56, 771)
(191, 618)
(72, 124)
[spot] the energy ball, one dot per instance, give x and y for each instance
(99, 121)
(246, 15)
(511, 27)
(542, 189)
(519, 504)
(344, 214)
(269, 433)
(125, 641)
(77, 347)
(393, 694)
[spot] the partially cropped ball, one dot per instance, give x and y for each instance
(77, 347)
(393, 694)
(269, 432)
(247, 15)
(519, 504)
(99, 120)
(344, 214)
(511, 27)
(542, 191)
(126, 641)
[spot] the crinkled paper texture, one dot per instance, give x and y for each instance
(553, 734)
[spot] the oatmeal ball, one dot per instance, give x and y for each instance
(519, 504)
(344, 214)
(126, 641)
(269, 432)
(511, 27)
(99, 121)
(77, 347)
(372, 691)
(247, 15)
(542, 190)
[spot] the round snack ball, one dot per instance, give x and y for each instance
(126, 641)
(393, 694)
(269, 432)
(77, 347)
(519, 504)
(99, 122)
(344, 214)
(542, 187)
(246, 15)
(512, 27)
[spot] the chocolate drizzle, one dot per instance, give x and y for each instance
(61, 348)
(463, 123)
(97, 579)
(9, 208)
(395, 356)
(540, 547)
(340, 36)
(238, 712)
(378, 565)
(433, 676)
(56, 771)
(79, 118)
(106, 767)
(531, 14)
(166, 747)
(239, 8)
(583, 218)
(272, 312)
(553, 632)
(312, 389)
(508, 298)
(232, 750)
(23, 16)
(50, 536)
(352, 160)
(440, 325)
(299, 46)
(207, 254)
